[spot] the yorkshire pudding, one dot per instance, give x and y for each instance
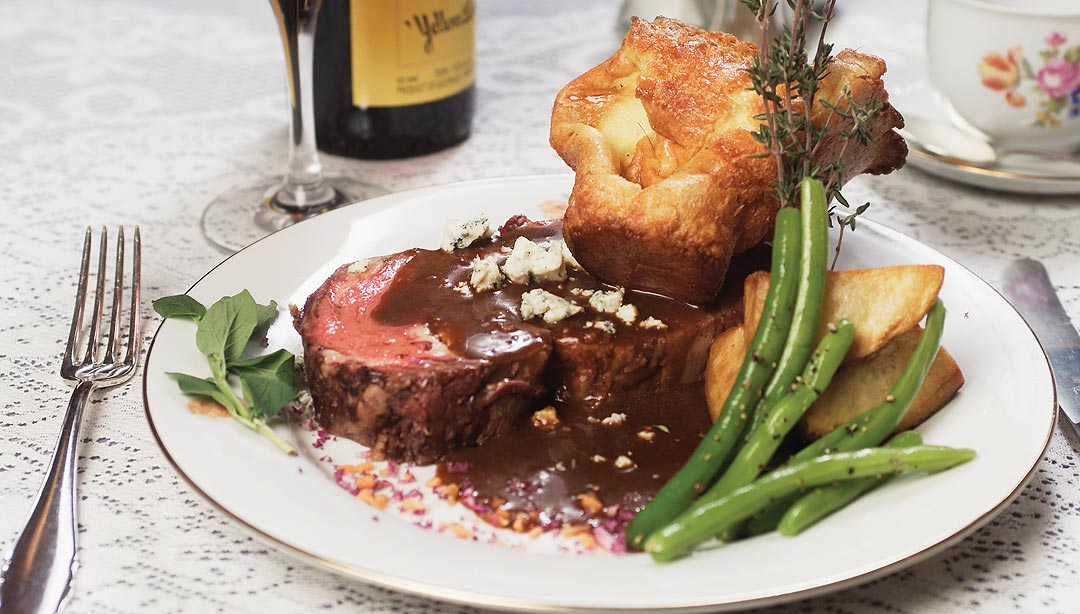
(667, 187)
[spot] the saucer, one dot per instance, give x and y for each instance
(911, 93)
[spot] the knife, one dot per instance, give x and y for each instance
(1028, 288)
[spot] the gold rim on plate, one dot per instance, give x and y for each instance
(473, 598)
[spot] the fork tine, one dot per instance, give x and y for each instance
(112, 343)
(92, 347)
(134, 341)
(71, 351)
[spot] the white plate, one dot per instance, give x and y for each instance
(911, 93)
(1005, 411)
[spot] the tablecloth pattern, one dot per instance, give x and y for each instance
(124, 112)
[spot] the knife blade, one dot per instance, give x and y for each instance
(1028, 288)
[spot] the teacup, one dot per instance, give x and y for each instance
(1009, 68)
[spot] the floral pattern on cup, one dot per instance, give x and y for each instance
(1055, 85)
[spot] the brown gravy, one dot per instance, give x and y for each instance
(486, 324)
(543, 473)
(584, 471)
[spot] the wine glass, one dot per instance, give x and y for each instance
(247, 213)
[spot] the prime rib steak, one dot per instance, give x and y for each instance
(404, 355)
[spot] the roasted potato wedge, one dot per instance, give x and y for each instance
(881, 302)
(885, 305)
(863, 384)
(725, 359)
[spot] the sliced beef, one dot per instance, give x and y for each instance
(585, 367)
(403, 355)
(396, 387)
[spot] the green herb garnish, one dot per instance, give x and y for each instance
(787, 81)
(224, 331)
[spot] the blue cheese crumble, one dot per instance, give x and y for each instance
(486, 274)
(547, 306)
(458, 234)
(529, 263)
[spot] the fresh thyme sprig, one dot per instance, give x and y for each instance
(787, 81)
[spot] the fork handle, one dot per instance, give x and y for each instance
(38, 575)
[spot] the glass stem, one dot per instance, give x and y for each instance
(304, 188)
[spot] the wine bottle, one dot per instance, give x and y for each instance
(393, 78)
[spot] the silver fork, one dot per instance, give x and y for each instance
(37, 576)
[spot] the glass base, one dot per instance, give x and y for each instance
(245, 214)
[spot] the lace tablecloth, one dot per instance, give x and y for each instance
(128, 113)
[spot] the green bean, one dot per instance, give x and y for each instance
(809, 302)
(819, 503)
(813, 264)
(782, 416)
(711, 455)
(700, 523)
(766, 520)
(872, 426)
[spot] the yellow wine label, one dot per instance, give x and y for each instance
(407, 52)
